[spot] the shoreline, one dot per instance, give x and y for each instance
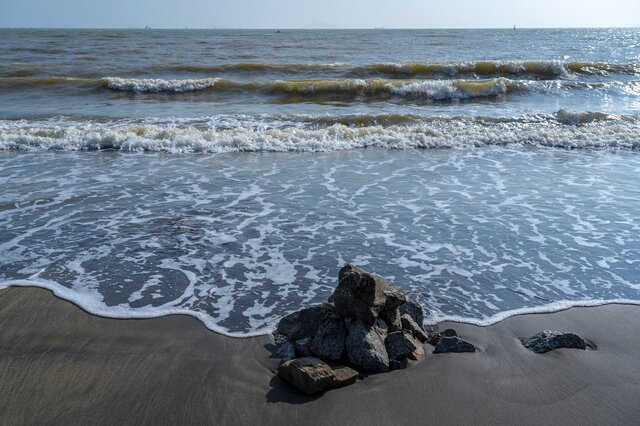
(67, 295)
(60, 364)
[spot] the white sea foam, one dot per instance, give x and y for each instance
(564, 130)
(92, 303)
(147, 85)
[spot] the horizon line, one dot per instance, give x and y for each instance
(307, 29)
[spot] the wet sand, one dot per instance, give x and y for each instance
(60, 365)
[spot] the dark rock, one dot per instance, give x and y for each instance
(328, 342)
(435, 337)
(285, 350)
(418, 354)
(453, 344)
(392, 318)
(305, 322)
(414, 310)
(400, 344)
(546, 341)
(303, 347)
(310, 375)
(410, 325)
(365, 346)
(364, 296)
(398, 364)
(382, 325)
(343, 376)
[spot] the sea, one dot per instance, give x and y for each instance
(229, 174)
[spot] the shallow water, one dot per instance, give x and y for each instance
(229, 174)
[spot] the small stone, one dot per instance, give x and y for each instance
(305, 322)
(365, 346)
(310, 375)
(344, 376)
(546, 341)
(303, 347)
(453, 344)
(410, 325)
(328, 342)
(418, 354)
(400, 344)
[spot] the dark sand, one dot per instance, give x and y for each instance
(60, 365)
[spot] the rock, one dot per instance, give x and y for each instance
(414, 310)
(546, 341)
(418, 354)
(400, 344)
(303, 347)
(343, 376)
(365, 346)
(435, 337)
(398, 364)
(305, 322)
(284, 348)
(392, 318)
(328, 342)
(364, 296)
(310, 375)
(410, 325)
(453, 344)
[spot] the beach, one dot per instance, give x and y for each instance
(62, 365)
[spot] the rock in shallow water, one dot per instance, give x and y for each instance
(365, 346)
(548, 340)
(453, 344)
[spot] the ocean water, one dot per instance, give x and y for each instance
(230, 174)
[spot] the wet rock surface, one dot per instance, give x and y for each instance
(549, 340)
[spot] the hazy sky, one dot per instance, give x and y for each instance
(319, 13)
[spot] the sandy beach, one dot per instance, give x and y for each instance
(60, 365)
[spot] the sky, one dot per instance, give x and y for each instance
(319, 13)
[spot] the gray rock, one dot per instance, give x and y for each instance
(546, 341)
(400, 344)
(365, 346)
(303, 347)
(453, 344)
(410, 325)
(392, 318)
(305, 322)
(414, 310)
(310, 375)
(328, 342)
(344, 376)
(364, 296)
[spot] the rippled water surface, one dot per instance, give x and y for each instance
(229, 174)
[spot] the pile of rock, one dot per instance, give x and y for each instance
(369, 325)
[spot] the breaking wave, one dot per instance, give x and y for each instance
(563, 129)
